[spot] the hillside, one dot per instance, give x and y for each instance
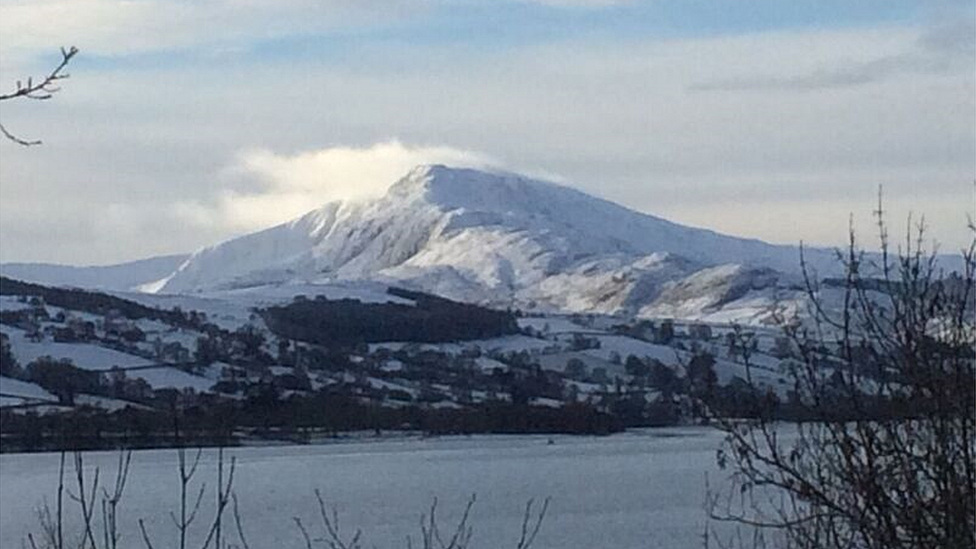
(488, 238)
(318, 356)
(484, 237)
(123, 276)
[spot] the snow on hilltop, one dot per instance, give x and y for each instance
(500, 239)
(489, 237)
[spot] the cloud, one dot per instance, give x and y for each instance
(127, 27)
(938, 50)
(581, 3)
(280, 187)
(837, 77)
(613, 115)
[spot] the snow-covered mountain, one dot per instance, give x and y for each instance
(494, 238)
(498, 238)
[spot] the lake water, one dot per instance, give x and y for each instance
(638, 489)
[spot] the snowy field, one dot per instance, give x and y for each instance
(640, 489)
(84, 356)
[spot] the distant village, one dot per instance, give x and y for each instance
(77, 352)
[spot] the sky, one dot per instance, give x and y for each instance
(187, 122)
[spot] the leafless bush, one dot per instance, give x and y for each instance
(430, 531)
(191, 496)
(884, 456)
(52, 522)
(188, 512)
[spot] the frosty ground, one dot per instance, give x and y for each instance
(636, 489)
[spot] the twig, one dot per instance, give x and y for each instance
(145, 536)
(42, 89)
(237, 522)
(530, 532)
(301, 528)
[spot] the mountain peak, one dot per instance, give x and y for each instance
(488, 233)
(429, 175)
(420, 177)
(476, 189)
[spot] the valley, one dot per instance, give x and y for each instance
(120, 366)
(462, 301)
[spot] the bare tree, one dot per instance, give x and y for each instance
(431, 536)
(190, 506)
(39, 89)
(884, 454)
(52, 521)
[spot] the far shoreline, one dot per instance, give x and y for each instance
(371, 437)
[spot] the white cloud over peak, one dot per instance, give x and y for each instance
(716, 131)
(265, 188)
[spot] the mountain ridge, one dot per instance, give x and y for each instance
(129, 275)
(490, 237)
(503, 239)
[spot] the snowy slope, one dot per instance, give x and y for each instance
(496, 238)
(493, 238)
(93, 357)
(25, 390)
(84, 356)
(124, 276)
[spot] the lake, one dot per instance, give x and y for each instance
(636, 489)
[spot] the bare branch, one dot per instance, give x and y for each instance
(43, 88)
(40, 89)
